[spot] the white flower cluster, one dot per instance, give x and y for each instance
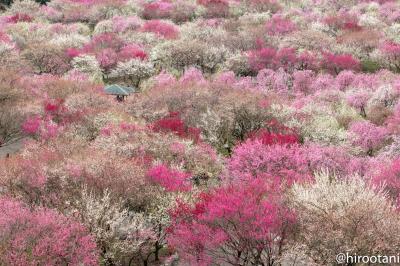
(87, 64)
(133, 69)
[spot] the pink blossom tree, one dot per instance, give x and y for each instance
(237, 224)
(388, 175)
(157, 9)
(302, 81)
(161, 29)
(391, 54)
(132, 51)
(367, 136)
(262, 58)
(278, 25)
(393, 121)
(253, 158)
(358, 99)
(42, 237)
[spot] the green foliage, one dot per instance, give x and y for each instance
(369, 66)
(6, 2)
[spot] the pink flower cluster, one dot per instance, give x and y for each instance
(43, 237)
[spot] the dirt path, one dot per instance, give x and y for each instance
(11, 147)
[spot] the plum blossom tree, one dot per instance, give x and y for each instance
(388, 176)
(391, 55)
(173, 123)
(43, 237)
(368, 136)
(253, 158)
(270, 138)
(245, 224)
(264, 5)
(171, 180)
(87, 64)
(286, 58)
(215, 8)
(262, 58)
(302, 81)
(334, 213)
(131, 51)
(161, 29)
(157, 9)
(358, 98)
(278, 25)
(393, 120)
(133, 71)
(47, 58)
(121, 235)
(336, 63)
(10, 97)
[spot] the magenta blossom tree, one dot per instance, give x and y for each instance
(335, 63)
(238, 224)
(169, 179)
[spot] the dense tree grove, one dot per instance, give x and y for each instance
(260, 132)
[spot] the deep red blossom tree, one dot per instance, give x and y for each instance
(336, 63)
(238, 224)
(274, 132)
(131, 51)
(307, 60)
(268, 138)
(56, 115)
(173, 123)
(43, 128)
(19, 17)
(286, 58)
(42, 237)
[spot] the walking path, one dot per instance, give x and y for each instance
(11, 147)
